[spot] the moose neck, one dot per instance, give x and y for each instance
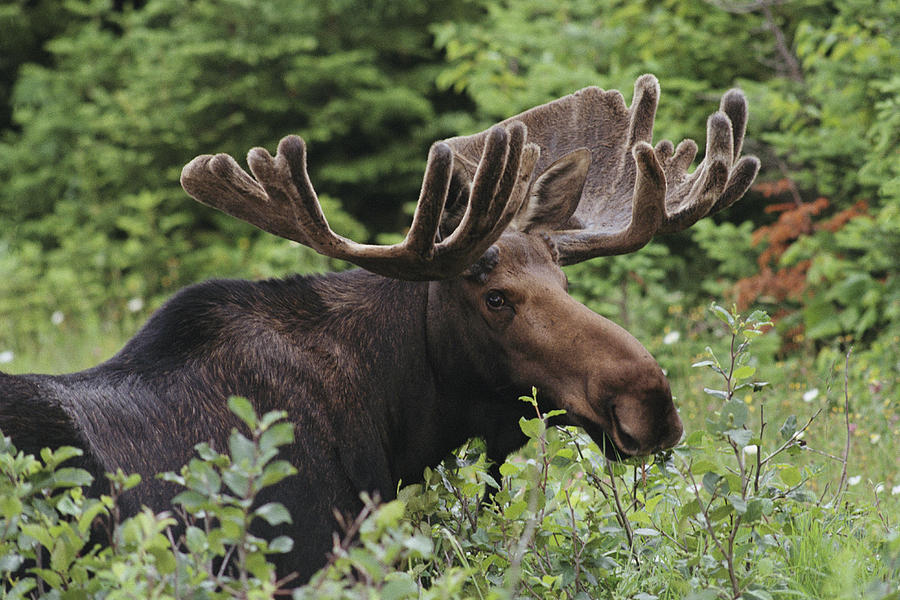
(410, 394)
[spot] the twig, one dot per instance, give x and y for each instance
(707, 523)
(843, 483)
(792, 440)
(762, 430)
(791, 64)
(621, 516)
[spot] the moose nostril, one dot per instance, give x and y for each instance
(627, 442)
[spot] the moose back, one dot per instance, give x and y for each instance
(383, 370)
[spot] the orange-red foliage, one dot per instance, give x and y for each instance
(774, 284)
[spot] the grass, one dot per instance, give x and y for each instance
(819, 539)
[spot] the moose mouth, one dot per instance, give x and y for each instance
(605, 439)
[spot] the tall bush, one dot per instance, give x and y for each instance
(93, 215)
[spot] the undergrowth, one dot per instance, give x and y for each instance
(746, 507)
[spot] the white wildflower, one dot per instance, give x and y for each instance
(879, 488)
(810, 395)
(751, 450)
(135, 304)
(895, 491)
(6, 356)
(671, 338)
(57, 317)
(854, 480)
(694, 488)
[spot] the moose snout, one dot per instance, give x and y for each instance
(648, 424)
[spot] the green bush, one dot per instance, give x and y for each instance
(45, 534)
(93, 216)
(730, 513)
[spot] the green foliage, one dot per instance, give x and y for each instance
(93, 215)
(732, 512)
(101, 108)
(527, 53)
(836, 121)
(852, 278)
(47, 522)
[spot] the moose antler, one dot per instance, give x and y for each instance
(281, 200)
(633, 190)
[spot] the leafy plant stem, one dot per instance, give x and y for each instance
(621, 516)
(842, 485)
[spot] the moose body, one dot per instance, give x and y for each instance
(383, 371)
(380, 378)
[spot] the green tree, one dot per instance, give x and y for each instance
(93, 213)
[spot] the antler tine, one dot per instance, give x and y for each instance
(643, 109)
(435, 187)
(219, 182)
(648, 213)
(718, 181)
(282, 200)
(487, 177)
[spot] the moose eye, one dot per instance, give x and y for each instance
(495, 300)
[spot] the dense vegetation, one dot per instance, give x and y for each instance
(102, 103)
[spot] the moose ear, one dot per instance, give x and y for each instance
(555, 194)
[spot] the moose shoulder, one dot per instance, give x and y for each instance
(386, 369)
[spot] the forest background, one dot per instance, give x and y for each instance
(103, 101)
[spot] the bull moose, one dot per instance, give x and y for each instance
(383, 370)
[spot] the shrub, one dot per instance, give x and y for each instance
(730, 513)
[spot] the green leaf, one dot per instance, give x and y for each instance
(281, 545)
(273, 513)
(71, 477)
(275, 472)
(279, 434)
(399, 585)
(733, 414)
(723, 314)
(789, 428)
(509, 469)
(390, 513)
(272, 417)
(191, 501)
(242, 450)
(791, 475)
(704, 363)
(533, 428)
(756, 508)
(10, 507)
(238, 481)
(714, 483)
(515, 510)
(744, 372)
(91, 511)
(741, 437)
(54, 458)
(739, 504)
(244, 410)
(195, 539)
